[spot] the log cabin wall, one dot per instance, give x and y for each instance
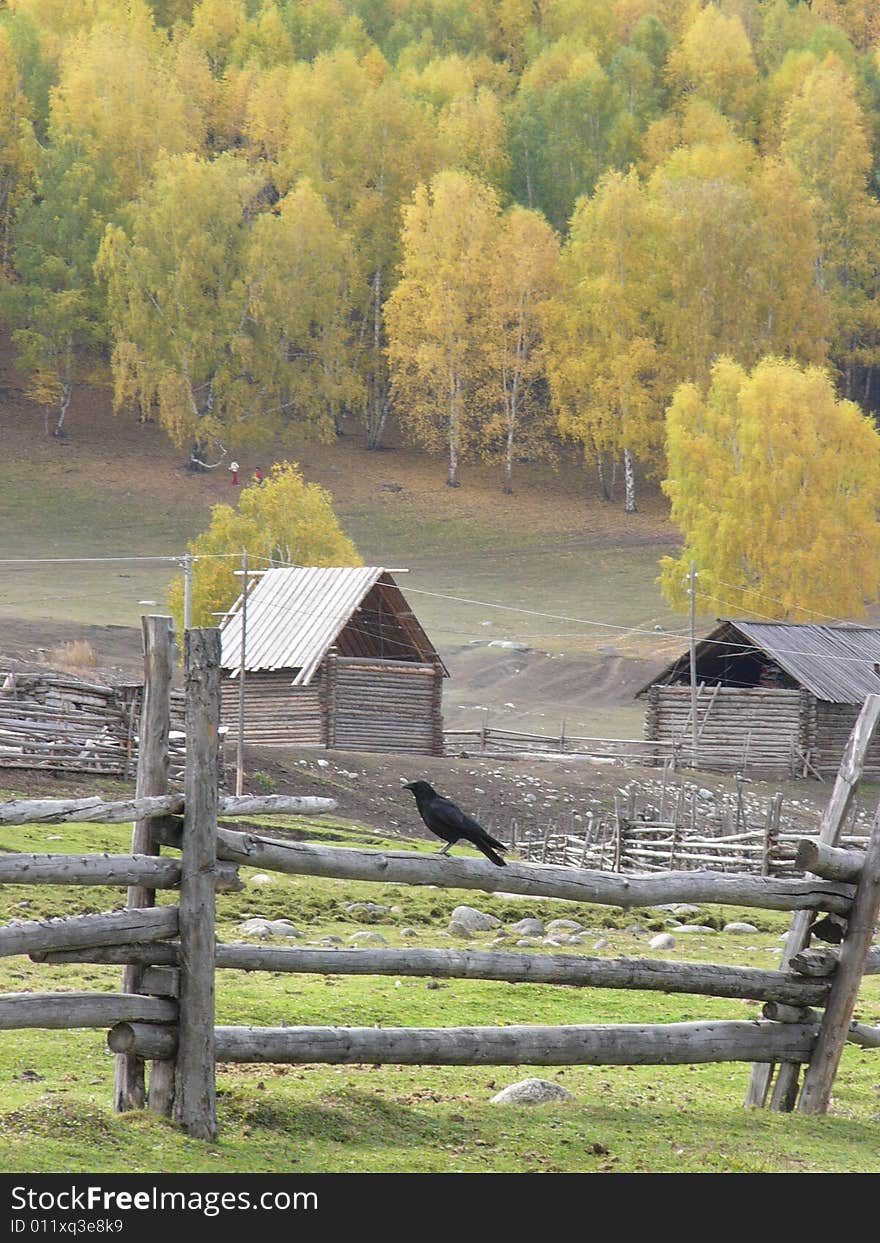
(276, 713)
(385, 705)
(833, 725)
(760, 730)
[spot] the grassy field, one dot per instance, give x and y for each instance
(56, 1087)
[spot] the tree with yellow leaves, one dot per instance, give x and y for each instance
(604, 363)
(437, 318)
(523, 278)
(18, 147)
(775, 485)
(281, 519)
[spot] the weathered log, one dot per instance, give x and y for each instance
(863, 1034)
(145, 1040)
(151, 870)
(703, 979)
(819, 1077)
(195, 1095)
(778, 1012)
(830, 862)
(608, 1045)
(69, 1010)
(575, 884)
(76, 931)
(97, 811)
(129, 1087)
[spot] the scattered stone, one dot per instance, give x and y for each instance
(323, 763)
(473, 920)
(283, 928)
(331, 941)
(509, 645)
(635, 930)
(662, 941)
(261, 878)
(408, 932)
(501, 935)
(366, 912)
(525, 941)
(432, 984)
(695, 928)
(255, 928)
(564, 925)
(739, 927)
(559, 939)
(529, 927)
(602, 944)
(457, 929)
(532, 1092)
(367, 938)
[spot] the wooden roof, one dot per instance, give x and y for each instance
(836, 663)
(295, 615)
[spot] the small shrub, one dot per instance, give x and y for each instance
(78, 654)
(265, 782)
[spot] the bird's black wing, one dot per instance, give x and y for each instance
(451, 816)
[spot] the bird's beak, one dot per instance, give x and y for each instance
(408, 785)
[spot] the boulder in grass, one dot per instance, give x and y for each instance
(564, 925)
(473, 920)
(736, 926)
(366, 912)
(261, 878)
(458, 929)
(686, 928)
(367, 938)
(532, 1092)
(529, 927)
(283, 928)
(662, 941)
(255, 927)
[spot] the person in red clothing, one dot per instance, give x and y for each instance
(233, 467)
(258, 475)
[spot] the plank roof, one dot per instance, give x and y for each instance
(295, 614)
(836, 663)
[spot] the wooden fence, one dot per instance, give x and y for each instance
(518, 744)
(165, 1012)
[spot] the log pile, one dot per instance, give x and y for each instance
(61, 723)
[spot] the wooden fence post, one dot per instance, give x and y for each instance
(819, 1076)
(152, 778)
(195, 1098)
(839, 805)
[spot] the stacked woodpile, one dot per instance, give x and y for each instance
(60, 723)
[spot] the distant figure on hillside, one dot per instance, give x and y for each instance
(234, 468)
(258, 475)
(450, 823)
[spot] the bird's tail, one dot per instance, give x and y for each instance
(492, 855)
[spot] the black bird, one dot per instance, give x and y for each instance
(448, 821)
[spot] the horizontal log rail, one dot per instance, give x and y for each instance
(537, 880)
(96, 810)
(68, 1010)
(830, 862)
(76, 931)
(625, 1044)
(149, 870)
(656, 976)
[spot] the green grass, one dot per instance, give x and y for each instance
(319, 1118)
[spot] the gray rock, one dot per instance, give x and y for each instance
(739, 927)
(685, 908)
(532, 1092)
(457, 929)
(367, 938)
(685, 928)
(529, 927)
(332, 941)
(564, 925)
(255, 927)
(635, 930)
(283, 928)
(662, 941)
(367, 912)
(408, 932)
(602, 944)
(473, 920)
(525, 941)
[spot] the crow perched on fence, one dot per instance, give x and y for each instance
(448, 821)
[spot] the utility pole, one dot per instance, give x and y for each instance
(692, 592)
(187, 590)
(239, 763)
